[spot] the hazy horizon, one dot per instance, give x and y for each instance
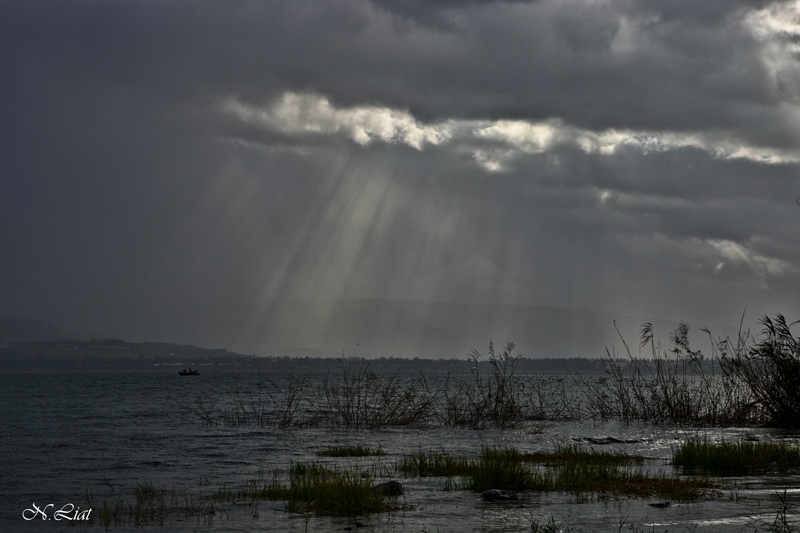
(392, 328)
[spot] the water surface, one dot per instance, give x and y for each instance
(65, 434)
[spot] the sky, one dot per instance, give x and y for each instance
(181, 170)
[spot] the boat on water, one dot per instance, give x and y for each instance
(189, 372)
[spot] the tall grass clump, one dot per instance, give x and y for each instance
(286, 405)
(736, 458)
(312, 488)
(346, 494)
(358, 398)
(264, 407)
(585, 477)
(361, 399)
(770, 368)
(434, 464)
(319, 489)
(580, 472)
(576, 454)
(329, 491)
(503, 468)
(493, 465)
(246, 409)
(496, 399)
(674, 386)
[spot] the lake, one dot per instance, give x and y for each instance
(66, 434)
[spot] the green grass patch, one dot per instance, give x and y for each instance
(575, 453)
(582, 477)
(736, 458)
(569, 468)
(497, 470)
(437, 464)
(317, 488)
(351, 451)
(347, 494)
(313, 470)
(331, 493)
(432, 464)
(311, 488)
(509, 454)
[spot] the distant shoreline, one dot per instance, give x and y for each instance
(117, 356)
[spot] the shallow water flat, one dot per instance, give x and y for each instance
(66, 434)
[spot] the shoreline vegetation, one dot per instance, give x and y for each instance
(317, 489)
(751, 381)
(355, 491)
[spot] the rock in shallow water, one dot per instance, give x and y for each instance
(659, 505)
(497, 495)
(389, 488)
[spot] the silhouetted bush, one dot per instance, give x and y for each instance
(770, 368)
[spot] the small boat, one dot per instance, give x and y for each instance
(189, 372)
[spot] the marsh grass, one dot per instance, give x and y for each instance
(502, 469)
(753, 381)
(347, 494)
(781, 522)
(770, 368)
(150, 505)
(438, 464)
(286, 403)
(315, 488)
(351, 451)
(551, 526)
(736, 458)
(587, 473)
(312, 488)
(672, 386)
(361, 399)
(495, 397)
(432, 464)
(583, 477)
(263, 407)
(325, 490)
(569, 468)
(575, 453)
(312, 469)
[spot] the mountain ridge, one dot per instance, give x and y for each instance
(27, 330)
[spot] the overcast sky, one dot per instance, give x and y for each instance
(169, 165)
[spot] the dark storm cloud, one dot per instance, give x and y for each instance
(598, 65)
(439, 13)
(170, 168)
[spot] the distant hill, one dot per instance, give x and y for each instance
(372, 329)
(112, 354)
(23, 330)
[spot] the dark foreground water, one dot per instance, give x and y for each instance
(65, 434)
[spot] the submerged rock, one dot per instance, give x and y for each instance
(659, 505)
(389, 488)
(498, 495)
(609, 440)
